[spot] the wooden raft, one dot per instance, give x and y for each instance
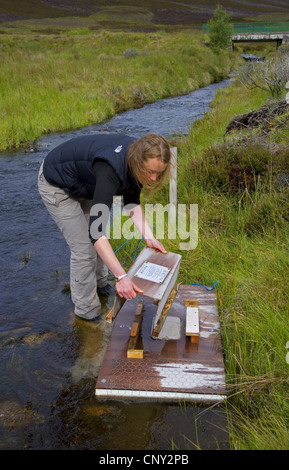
(169, 370)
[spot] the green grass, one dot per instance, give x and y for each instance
(79, 77)
(243, 244)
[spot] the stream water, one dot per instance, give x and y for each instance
(49, 358)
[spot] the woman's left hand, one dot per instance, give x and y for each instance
(154, 243)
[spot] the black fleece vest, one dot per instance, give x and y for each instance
(69, 166)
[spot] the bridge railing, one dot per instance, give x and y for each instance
(258, 27)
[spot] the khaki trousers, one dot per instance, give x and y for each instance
(87, 270)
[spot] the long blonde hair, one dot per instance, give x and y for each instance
(149, 146)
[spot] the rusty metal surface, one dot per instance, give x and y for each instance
(170, 368)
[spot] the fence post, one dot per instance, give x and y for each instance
(173, 187)
(287, 94)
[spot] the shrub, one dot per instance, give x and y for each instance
(220, 29)
(270, 75)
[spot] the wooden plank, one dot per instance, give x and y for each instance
(117, 304)
(134, 329)
(170, 370)
(164, 310)
(192, 303)
(135, 353)
(132, 350)
(161, 305)
(192, 320)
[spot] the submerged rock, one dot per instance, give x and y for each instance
(252, 57)
(101, 410)
(14, 415)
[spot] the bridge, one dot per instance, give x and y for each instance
(250, 32)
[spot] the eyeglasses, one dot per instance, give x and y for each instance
(153, 172)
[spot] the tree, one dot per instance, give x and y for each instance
(220, 29)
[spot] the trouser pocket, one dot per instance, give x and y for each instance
(60, 196)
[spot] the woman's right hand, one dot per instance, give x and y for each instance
(127, 289)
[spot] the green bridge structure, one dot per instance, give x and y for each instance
(277, 31)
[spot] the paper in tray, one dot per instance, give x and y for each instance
(152, 272)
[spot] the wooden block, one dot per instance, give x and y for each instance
(117, 304)
(192, 320)
(109, 315)
(134, 329)
(132, 350)
(191, 303)
(134, 354)
(139, 310)
(195, 339)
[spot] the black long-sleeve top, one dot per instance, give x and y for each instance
(107, 186)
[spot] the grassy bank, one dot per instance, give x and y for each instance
(76, 78)
(243, 244)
